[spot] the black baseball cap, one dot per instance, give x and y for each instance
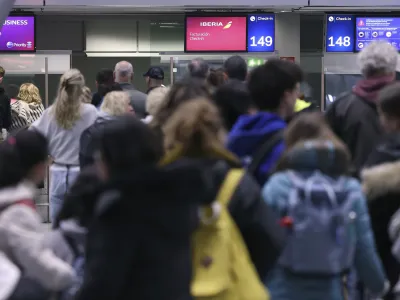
(155, 73)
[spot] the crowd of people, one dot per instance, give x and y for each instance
(224, 185)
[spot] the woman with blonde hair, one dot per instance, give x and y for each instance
(194, 133)
(26, 109)
(313, 190)
(86, 95)
(114, 104)
(62, 124)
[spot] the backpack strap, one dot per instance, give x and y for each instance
(26, 202)
(263, 151)
(228, 187)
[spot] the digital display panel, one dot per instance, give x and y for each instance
(215, 34)
(369, 29)
(339, 33)
(261, 33)
(18, 34)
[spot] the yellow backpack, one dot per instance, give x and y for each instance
(222, 266)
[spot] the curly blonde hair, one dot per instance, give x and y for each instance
(115, 103)
(67, 106)
(29, 93)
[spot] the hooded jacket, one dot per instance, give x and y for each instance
(145, 219)
(5, 110)
(323, 157)
(21, 239)
(249, 133)
(354, 118)
(381, 184)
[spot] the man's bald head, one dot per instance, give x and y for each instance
(123, 72)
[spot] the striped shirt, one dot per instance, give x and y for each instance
(24, 114)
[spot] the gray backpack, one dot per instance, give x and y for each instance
(323, 238)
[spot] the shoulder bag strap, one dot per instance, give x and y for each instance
(263, 151)
(231, 182)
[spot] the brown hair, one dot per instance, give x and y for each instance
(2, 71)
(311, 126)
(216, 77)
(179, 93)
(197, 127)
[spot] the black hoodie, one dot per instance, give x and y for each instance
(5, 109)
(139, 246)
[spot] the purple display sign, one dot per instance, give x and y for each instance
(18, 34)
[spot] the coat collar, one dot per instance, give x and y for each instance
(381, 180)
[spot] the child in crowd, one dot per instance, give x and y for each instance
(325, 214)
(23, 163)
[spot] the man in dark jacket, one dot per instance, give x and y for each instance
(5, 109)
(123, 74)
(353, 116)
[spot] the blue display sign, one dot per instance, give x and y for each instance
(339, 33)
(369, 29)
(261, 33)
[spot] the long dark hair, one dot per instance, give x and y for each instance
(127, 143)
(19, 154)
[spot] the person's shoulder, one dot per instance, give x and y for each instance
(137, 94)
(89, 109)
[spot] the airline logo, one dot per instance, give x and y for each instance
(228, 25)
(216, 24)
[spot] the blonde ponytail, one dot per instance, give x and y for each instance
(68, 102)
(196, 125)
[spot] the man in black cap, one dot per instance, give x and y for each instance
(154, 78)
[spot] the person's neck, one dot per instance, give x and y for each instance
(123, 81)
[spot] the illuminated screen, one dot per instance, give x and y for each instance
(369, 29)
(339, 33)
(215, 34)
(261, 33)
(18, 34)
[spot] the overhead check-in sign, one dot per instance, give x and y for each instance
(361, 3)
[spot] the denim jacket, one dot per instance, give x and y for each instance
(323, 156)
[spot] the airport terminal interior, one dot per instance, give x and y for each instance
(38, 43)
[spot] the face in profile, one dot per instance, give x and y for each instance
(290, 100)
(129, 109)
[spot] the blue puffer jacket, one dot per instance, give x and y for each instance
(249, 133)
(323, 156)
